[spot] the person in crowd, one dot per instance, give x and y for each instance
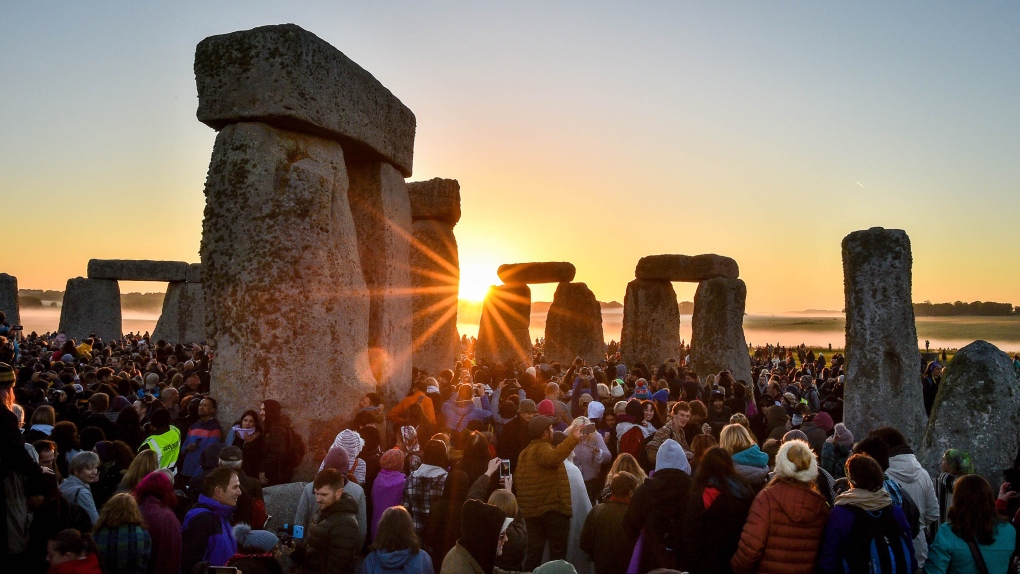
(247, 435)
(333, 540)
(656, 511)
(589, 456)
(426, 483)
(156, 503)
(461, 409)
(47, 452)
(778, 422)
(600, 538)
(930, 385)
(701, 445)
(122, 539)
(864, 517)
(515, 547)
(65, 436)
(515, 433)
(16, 467)
(129, 428)
(352, 443)
(51, 513)
(837, 450)
(748, 459)
(337, 459)
(251, 506)
(714, 512)
(483, 533)
(784, 528)
(114, 460)
(41, 424)
(77, 488)
(143, 463)
(277, 464)
(418, 396)
(442, 527)
(679, 416)
(388, 488)
(543, 490)
(165, 439)
(622, 463)
(395, 547)
(955, 463)
(258, 551)
(207, 534)
(210, 460)
(71, 552)
(696, 424)
(99, 403)
(202, 433)
(817, 428)
(972, 534)
(475, 456)
(633, 429)
(718, 413)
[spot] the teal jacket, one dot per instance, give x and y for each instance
(949, 554)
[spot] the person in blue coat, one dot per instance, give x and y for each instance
(202, 433)
(396, 547)
(972, 517)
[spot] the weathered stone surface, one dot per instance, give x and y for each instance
(9, 305)
(137, 270)
(717, 329)
(977, 410)
(194, 274)
(281, 503)
(281, 272)
(91, 306)
(435, 280)
(544, 272)
(382, 216)
(503, 329)
(651, 323)
(690, 268)
(290, 78)
(183, 316)
(573, 327)
(436, 198)
(881, 341)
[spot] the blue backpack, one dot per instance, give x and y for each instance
(877, 544)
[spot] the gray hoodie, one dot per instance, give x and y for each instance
(917, 484)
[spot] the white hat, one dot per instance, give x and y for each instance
(596, 410)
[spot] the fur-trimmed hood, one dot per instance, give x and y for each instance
(787, 469)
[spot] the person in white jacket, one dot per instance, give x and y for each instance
(915, 482)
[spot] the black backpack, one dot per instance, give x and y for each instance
(876, 544)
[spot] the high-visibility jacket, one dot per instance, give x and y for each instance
(166, 445)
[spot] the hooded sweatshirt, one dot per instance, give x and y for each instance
(207, 535)
(402, 561)
(915, 482)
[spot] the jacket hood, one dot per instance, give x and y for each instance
(346, 504)
(751, 456)
(481, 524)
(45, 429)
(797, 501)
(755, 475)
(429, 471)
(394, 560)
(904, 468)
(221, 510)
(623, 427)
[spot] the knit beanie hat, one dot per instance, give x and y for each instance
(617, 388)
(392, 459)
(661, 396)
(842, 436)
(337, 459)
(596, 410)
(635, 409)
(6, 376)
(556, 567)
(959, 461)
(263, 540)
(796, 450)
(547, 408)
(351, 441)
(776, 416)
(641, 390)
(823, 421)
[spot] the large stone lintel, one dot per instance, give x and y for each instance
(690, 268)
(137, 270)
(543, 272)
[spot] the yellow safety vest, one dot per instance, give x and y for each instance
(166, 445)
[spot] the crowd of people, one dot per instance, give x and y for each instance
(114, 460)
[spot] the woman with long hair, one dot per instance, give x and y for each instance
(715, 513)
(41, 424)
(748, 459)
(624, 462)
(396, 547)
(156, 502)
(122, 540)
(247, 435)
(972, 526)
(114, 459)
(144, 462)
(65, 436)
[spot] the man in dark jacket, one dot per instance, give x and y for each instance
(515, 433)
(657, 507)
(332, 542)
(600, 537)
(207, 534)
(99, 403)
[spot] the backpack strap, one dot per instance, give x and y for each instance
(420, 399)
(979, 560)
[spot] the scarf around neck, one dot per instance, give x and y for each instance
(865, 499)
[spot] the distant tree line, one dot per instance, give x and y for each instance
(38, 298)
(979, 308)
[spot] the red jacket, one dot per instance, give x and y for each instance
(783, 533)
(87, 565)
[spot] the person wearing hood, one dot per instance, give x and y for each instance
(714, 515)
(866, 509)
(461, 409)
(632, 430)
(206, 534)
(426, 483)
(156, 502)
(483, 532)
(600, 538)
(337, 459)
(41, 424)
(836, 451)
(333, 540)
(915, 482)
(787, 518)
(388, 488)
(657, 508)
(396, 547)
(748, 459)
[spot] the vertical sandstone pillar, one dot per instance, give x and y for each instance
(717, 329)
(651, 323)
(9, 305)
(435, 273)
(503, 329)
(286, 302)
(382, 216)
(883, 362)
(91, 306)
(573, 327)
(183, 317)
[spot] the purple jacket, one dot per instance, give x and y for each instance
(207, 535)
(387, 491)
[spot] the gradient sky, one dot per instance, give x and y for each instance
(589, 132)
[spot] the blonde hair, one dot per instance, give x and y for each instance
(741, 419)
(121, 509)
(505, 500)
(710, 381)
(620, 407)
(581, 421)
(626, 462)
(145, 462)
(735, 438)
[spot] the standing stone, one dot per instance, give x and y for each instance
(281, 502)
(686, 267)
(977, 410)
(9, 304)
(435, 277)
(651, 323)
(382, 216)
(881, 341)
(183, 316)
(194, 274)
(287, 310)
(503, 329)
(717, 329)
(91, 306)
(573, 327)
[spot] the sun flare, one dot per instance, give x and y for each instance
(475, 280)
